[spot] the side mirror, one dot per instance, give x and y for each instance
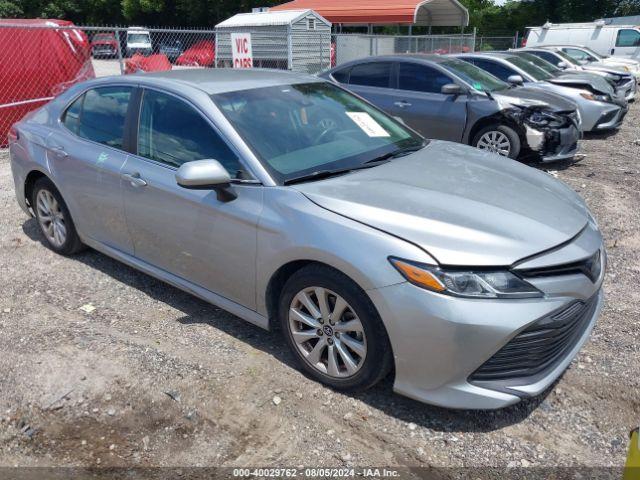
(563, 65)
(206, 175)
(583, 62)
(451, 89)
(515, 80)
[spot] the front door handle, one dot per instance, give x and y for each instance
(134, 179)
(402, 104)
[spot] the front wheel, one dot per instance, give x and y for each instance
(333, 329)
(499, 139)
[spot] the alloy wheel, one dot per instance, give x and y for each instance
(496, 142)
(327, 332)
(51, 218)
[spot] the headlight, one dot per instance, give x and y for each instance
(539, 118)
(597, 98)
(471, 284)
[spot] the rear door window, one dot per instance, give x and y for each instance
(628, 38)
(99, 115)
(371, 74)
(421, 78)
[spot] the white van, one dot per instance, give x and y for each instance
(138, 41)
(614, 40)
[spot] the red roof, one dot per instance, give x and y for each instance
(361, 12)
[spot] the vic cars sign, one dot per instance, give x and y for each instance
(241, 50)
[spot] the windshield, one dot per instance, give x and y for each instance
(593, 53)
(540, 63)
(567, 58)
(138, 38)
(474, 76)
(302, 129)
(103, 37)
(537, 73)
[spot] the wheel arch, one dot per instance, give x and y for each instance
(29, 182)
(279, 278)
(496, 119)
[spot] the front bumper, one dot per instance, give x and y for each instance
(628, 89)
(611, 119)
(440, 341)
(104, 50)
(553, 144)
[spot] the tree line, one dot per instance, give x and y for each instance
(486, 16)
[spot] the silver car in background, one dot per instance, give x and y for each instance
(290, 202)
(599, 106)
(448, 99)
(623, 81)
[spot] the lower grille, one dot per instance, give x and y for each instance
(539, 347)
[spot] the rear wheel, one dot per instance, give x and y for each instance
(333, 329)
(499, 139)
(54, 218)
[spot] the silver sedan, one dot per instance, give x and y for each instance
(292, 203)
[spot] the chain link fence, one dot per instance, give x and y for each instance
(496, 43)
(347, 47)
(39, 59)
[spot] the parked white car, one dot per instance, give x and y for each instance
(621, 41)
(138, 41)
(589, 57)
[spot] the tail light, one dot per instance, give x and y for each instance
(13, 135)
(524, 42)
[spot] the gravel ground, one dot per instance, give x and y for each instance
(103, 366)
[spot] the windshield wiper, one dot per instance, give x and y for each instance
(374, 162)
(400, 152)
(320, 174)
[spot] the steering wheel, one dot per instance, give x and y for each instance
(328, 126)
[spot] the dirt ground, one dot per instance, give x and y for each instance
(103, 366)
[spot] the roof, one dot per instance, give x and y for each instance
(221, 80)
(258, 19)
(408, 12)
(34, 22)
(623, 21)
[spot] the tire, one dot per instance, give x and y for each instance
(498, 132)
(365, 331)
(46, 198)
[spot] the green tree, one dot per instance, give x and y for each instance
(10, 9)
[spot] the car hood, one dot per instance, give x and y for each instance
(597, 82)
(555, 102)
(602, 67)
(619, 61)
(461, 205)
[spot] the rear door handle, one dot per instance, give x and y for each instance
(402, 104)
(58, 150)
(134, 179)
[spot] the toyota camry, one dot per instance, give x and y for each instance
(296, 205)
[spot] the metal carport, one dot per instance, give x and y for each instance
(436, 13)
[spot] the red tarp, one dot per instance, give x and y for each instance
(152, 63)
(38, 64)
(202, 54)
